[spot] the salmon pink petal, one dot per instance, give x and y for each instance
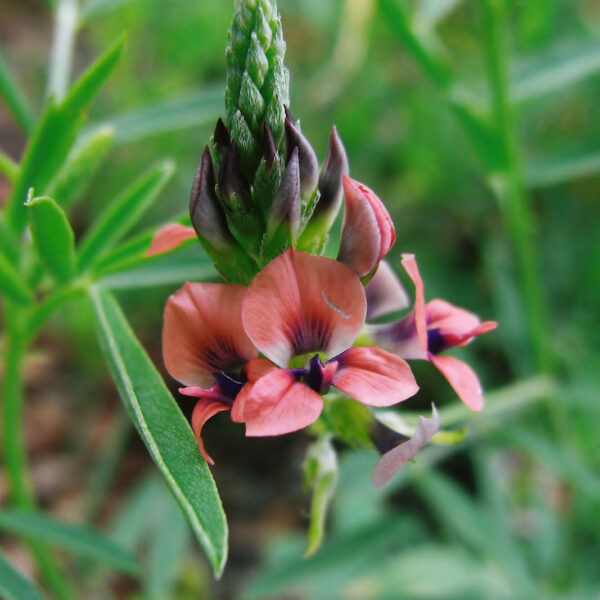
(450, 319)
(385, 294)
(367, 231)
(203, 411)
(278, 403)
(462, 340)
(393, 460)
(303, 303)
(462, 378)
(254, 370)
(410, 266)
(169, 237)
(203, 334)
(374, 376)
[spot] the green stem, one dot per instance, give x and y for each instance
(511, 187)
(14, 446)
(63, 42)
(8, 167)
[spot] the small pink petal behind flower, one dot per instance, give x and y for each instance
(279, 404)
(203, 411)
(374, 377)
(385, 294)
(410, 265)
(203, 333)
(462, 378)
(367, 231)
(391, 462)
(169, 237)
(302, 303)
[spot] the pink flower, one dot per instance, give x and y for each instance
(429, 330)
(368, 233)
(205, 347)
(306, 306)
(169, 237)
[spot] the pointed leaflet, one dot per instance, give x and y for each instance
(13, 586)
(163, 428)
(122, 214)
(54, 135)
(81, 540)
(53, 237)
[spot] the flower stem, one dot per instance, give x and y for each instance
(14, 446)
(511, 186)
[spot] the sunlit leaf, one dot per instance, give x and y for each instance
(557, 170)
(8, 167)
(80, 540)
(55, 134)
(53, 237)
(13, 586)
(80, 166)
(195, 109)
(122, 213)
(163, 428)
(187, 263)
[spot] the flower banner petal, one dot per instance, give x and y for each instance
(410, 265)
(203, 333)
(302, 303)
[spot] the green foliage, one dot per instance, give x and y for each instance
(53, 237)
(14, 586)
(163, 428)
(14, 97)
(55, 133)
(122, 213)
(11, 283)
(82, 541)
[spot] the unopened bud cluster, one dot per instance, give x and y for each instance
(258, 189)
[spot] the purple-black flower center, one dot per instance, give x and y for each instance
(314, 376)
(436, 342)
(230, 383)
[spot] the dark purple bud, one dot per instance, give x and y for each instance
(231, 178)
(309, 165)
(286, 203)
(270, 151)
(221, 135)
(331, 190)
(206, 214)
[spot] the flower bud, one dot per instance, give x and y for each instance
(206, 214)
(367, 231)
(283, 223)
(309, 165)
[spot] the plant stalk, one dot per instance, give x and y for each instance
(14, 446)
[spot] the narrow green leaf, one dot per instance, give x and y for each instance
(123, 213)
(192, 110)
(167, 549)
(8, 167)
(80, 540)
(12, 284)
(92, 9)
(554, 171)
(188, 263)
(55, 134)
(53, 237)
(9, 246)
(14, 97)
(556, 68)
(80, 167)
(13, 586)
(163, 428)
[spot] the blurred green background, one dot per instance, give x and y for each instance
(477, 124)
